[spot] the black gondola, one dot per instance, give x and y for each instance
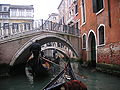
(37, 68)
(60, 82)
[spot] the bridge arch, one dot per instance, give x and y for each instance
(62, 51)
(23, 53)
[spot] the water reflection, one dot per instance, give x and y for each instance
(29, 74)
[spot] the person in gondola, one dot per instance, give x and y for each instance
(45, 63)
(35, 49)
(73, 85)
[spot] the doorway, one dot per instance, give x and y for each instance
(92, 49)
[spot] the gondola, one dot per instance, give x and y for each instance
(65, 79)
(37, 68)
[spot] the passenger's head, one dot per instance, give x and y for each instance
(68, 86)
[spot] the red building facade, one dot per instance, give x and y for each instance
(100, 31)
(99, 24)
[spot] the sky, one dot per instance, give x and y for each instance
(42, 8)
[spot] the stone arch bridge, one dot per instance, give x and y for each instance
(14, 46)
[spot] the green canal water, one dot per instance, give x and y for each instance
(94, 81)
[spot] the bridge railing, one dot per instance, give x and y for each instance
(11, 31)
(20, 29)
(57, 27)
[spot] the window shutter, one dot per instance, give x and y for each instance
(94, 4)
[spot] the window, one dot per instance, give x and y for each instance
(6, 26)
(77, 25)
(97, 5)
(84, 41)
(15, 26)
(69, 14)
(101, 35)
(54, 18)
(76, 9)
(5, 16)
(83, 11)
(5, 8)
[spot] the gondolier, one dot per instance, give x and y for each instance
(35, 49)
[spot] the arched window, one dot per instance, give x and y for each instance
(101, 35)
(84, 41)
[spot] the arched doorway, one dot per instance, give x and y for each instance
(92, 49)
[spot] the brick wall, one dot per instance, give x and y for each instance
(109, 54)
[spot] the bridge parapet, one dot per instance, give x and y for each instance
(9, 31)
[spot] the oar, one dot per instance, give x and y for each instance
(52, 62)
(82, 76)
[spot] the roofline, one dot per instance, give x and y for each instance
(4, 4)
(60, 4)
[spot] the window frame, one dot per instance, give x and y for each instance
(95, 6)
(98, 30)
(83, 41)
(83, 6)
(5, 9)
(76, 9)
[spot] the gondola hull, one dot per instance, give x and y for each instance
(65, 79)
(37, 68)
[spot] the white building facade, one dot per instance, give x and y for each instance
(17, 18)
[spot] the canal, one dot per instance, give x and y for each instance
(93, 79)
